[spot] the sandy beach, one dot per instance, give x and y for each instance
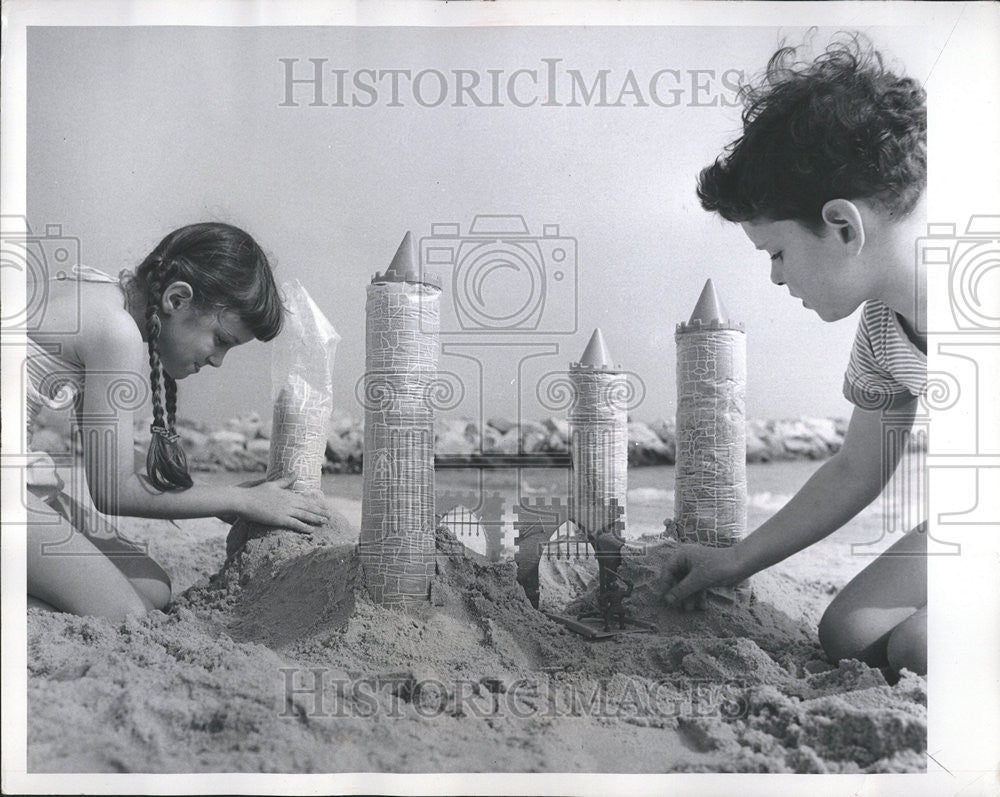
(291, 668)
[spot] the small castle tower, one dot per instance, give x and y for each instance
(598, 423)
(711, 480)
(401, 356)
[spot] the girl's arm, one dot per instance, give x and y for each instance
(117, 385)
(847, 483)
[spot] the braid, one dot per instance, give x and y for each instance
(166, 464)
(171, 395)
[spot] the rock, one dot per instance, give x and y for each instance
(49, 440)
(825, 429)
(259, 446)
(510, 442)
(757, 450)
(228, 438)
(667, 432)
(229, 456)
(501, 424)
(533, 437)
(645, 447)
(558, 429)
(456, 437)
(766, 432)
(338, 449)
(142, 436)
(799, 440)
(491, 440)
(341, 423)
(193, 441)
(188, 423)
(259, 450)
(56, 420)
(248, 424)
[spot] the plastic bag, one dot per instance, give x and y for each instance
(302, 390)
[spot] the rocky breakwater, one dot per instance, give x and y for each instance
(242, 442)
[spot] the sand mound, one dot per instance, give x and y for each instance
(280, 662)
(277, 587)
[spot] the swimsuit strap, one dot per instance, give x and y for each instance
(88, 274)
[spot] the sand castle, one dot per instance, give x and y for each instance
(598, 424)
(401, 358)
(396, 547)
(711, 477)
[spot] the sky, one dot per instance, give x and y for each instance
(134, 131)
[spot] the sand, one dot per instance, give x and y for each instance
(276, 661)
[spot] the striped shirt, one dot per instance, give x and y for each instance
(886, 368)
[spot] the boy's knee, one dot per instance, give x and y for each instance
(845, 634)
(908, 644)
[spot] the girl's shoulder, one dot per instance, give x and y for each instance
(87, 314)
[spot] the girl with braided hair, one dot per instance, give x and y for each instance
(203, 290)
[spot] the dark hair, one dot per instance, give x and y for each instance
(227, 271)
(839, 127)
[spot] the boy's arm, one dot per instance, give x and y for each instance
(842, 487)
(847, 483)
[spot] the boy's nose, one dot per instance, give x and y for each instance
(216, 359)
(776, 277)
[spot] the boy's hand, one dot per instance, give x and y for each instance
(692, 569)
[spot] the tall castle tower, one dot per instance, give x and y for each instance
(598, 424)
(711, 475)
(401, 357)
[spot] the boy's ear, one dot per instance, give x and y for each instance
(843, 218)
(176, 296)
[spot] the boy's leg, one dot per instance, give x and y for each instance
(66, 570)
(908, 644)
(859, 621)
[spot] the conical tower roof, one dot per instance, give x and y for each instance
(596, 356)
(709, 313)
(404, 266)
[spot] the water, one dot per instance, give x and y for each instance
(650, 495)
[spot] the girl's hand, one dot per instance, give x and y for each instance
(274, 504)
(232, 517)
(693, 568)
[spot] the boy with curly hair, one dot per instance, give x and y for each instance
(829, 179)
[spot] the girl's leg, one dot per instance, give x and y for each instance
(888, 592)
(148, 579)
(68, 572)
(36, 603)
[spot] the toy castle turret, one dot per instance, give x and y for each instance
(598, 424)
(711, 484)
(401, 356)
